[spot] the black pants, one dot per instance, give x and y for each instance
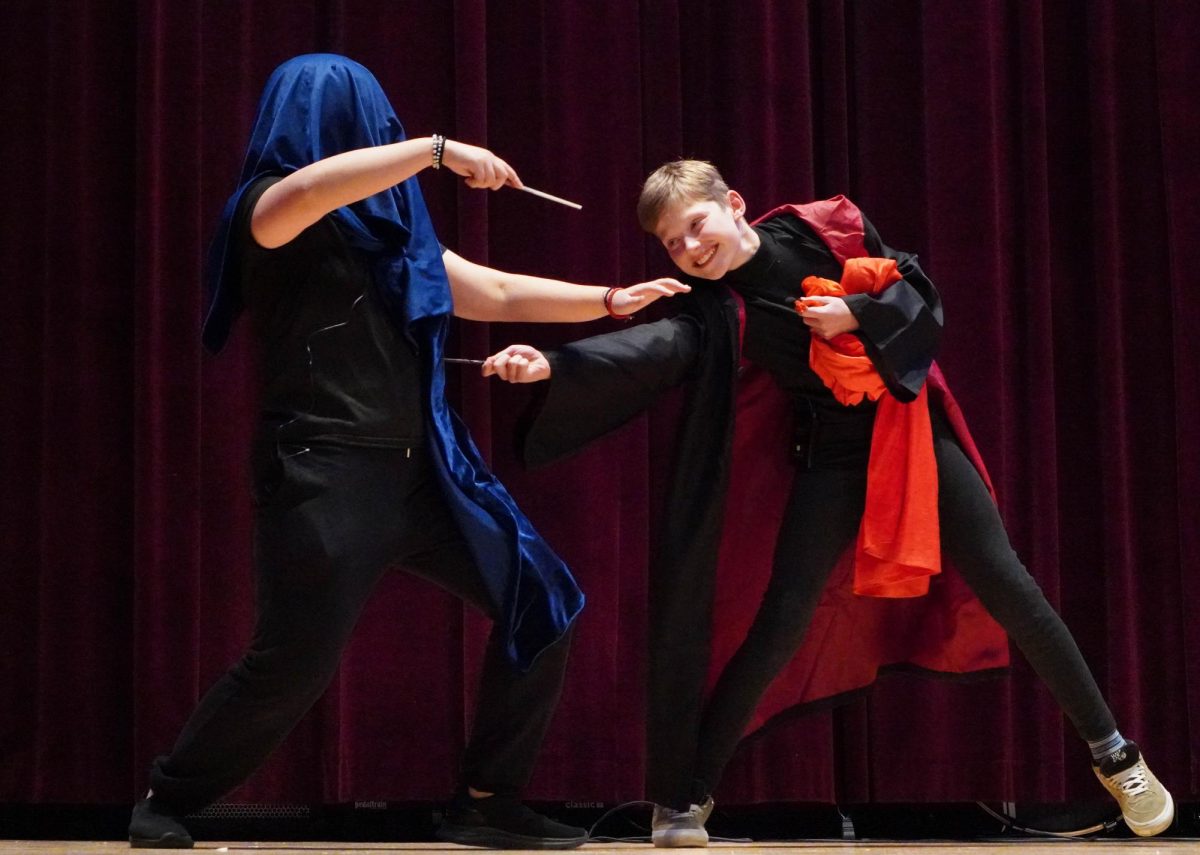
(330, 522)
(821, 521)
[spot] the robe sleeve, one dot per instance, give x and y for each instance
(598, 384)
(901, 326)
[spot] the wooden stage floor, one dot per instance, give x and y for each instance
(1166, 846)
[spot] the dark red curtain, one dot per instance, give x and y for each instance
(1040, 156)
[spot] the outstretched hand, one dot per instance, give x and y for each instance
(626, 301)
(478, 166)
(518, 363)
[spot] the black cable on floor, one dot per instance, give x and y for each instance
(1010, 824)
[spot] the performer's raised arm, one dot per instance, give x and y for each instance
(311, 192)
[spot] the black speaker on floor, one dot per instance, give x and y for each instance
(248, 821)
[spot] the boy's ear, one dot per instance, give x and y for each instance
(736, 204)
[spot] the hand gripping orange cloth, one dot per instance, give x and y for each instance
(898, 539)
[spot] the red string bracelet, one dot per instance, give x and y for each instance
(608, 307)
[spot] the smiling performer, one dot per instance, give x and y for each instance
(360, 465)
(837, 333)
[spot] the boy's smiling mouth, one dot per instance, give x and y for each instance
(707, 257)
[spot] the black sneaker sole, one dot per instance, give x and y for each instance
(495, 838)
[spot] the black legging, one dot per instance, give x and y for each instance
(821, 520)
(330, 522)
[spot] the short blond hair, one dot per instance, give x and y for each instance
(679, 181)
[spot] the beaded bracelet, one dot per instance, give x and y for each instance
(608, 307)
(439, 146)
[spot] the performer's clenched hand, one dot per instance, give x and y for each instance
(827, 316)
(518, 363)
(480, 167)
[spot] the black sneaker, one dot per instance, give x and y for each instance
(502, 822)
(154, 826)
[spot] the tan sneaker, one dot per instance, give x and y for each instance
(675, 829)
(1145, 803)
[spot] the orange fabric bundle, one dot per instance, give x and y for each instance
(899, 539)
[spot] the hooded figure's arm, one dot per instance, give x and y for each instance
(486, 294)
(309, 193)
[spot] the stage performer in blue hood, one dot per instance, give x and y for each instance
(359, 463)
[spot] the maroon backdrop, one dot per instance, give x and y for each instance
(1041, 157)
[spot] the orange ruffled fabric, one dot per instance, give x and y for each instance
(898, 545)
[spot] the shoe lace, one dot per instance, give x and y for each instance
(666, 815)
(671, 815)
(694, 811)
(1133, 782)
